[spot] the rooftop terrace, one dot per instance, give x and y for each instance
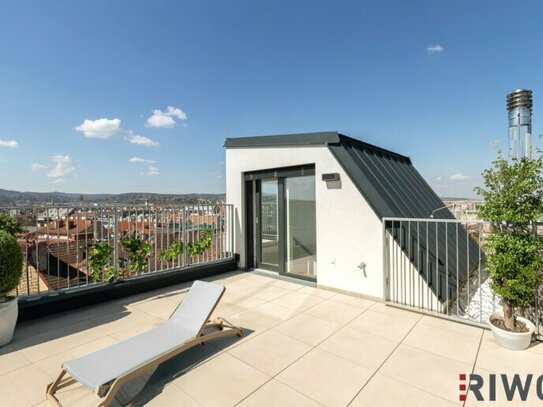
(304, 346)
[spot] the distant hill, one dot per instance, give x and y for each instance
(8, 197)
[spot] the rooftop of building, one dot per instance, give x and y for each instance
(304, 346)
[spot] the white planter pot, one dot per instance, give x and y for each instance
(9, 311)
(512, 340)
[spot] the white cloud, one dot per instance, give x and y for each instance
(9, 143)
(432, 49)
(160, 120)
(151, 171)
(439, 179)
(166, 120)
(108, 128)
(141, 160)
(59, 181)
(176, 112)
(37, 167)
(220, 162)
(64, 166)
(101, 128)
(142, 141)
(459, 177)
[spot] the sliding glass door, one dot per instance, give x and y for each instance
(269, 227)
(300, 226)
(283, 221)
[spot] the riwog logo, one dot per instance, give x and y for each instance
(485, 389)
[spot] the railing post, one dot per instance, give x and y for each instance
(385, 263)
(538, 335)
(115, 245)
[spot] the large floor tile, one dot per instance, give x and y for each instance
(270, 292)
(222, 381)
(270, 352)
(108, 327)
(245, 285)
(395, 311)
(383, 391)
(173, 396)
(308, 329)
(276, 394)
(448, 325)
(334, 311)
(426, 371)
(359, 347)
(317, 291)
(388, 326)
(326, 378)
(298, 301)
(80, 396)
(243, 301)
(263, 316)
(42, 346)
(355, 301)
(289, 285)
(448, 343)
(10, 359)
(23, 387)
(497, 359)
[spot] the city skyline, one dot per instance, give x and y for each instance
(132, 97)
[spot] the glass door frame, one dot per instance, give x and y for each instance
(253, 194)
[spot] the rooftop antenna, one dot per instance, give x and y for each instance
(519, 108)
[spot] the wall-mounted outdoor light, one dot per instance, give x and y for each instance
(332, 179)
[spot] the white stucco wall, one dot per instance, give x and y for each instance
(348, 231)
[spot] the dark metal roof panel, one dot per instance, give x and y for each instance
(388, 181)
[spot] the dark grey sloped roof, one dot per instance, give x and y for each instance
(388, 181)
(393, 188)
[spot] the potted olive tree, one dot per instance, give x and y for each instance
(513, 201)
(11, 266)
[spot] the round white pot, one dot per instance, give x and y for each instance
(513, 340)
(9, 311)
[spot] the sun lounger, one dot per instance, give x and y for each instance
(106, 370)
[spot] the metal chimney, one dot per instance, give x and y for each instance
(519, 108)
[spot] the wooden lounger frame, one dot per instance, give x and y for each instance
(109, 390)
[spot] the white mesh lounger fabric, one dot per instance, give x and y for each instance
(106, 370)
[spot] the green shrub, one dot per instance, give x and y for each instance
(9, 224)
(513, 201)
(99, 260)
(138, 253)
(11, 263)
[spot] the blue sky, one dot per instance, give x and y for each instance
(172, 79)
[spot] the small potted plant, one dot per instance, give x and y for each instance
(11, 266)
(513, 201)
